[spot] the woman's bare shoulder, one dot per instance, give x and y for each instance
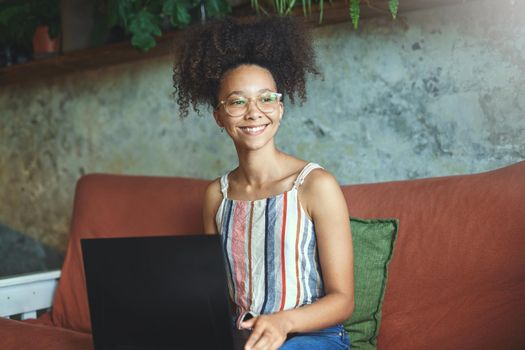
(213, 194)
(212, 201)
(319, 189)
(214, 187)
(318, 181)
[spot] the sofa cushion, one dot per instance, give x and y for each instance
(118, 206)
(373, 242)
(457, 279)
(15, 335)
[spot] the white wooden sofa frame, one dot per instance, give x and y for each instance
(25, 295)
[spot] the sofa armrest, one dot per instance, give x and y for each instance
(26, 294)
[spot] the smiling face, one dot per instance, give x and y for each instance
(253, 129)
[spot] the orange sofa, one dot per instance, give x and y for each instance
(456, 280)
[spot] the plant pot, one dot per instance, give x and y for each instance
(43, 45)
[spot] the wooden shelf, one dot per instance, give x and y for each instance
(82, 60)
(123, 52)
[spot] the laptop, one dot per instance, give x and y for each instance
(159, 293)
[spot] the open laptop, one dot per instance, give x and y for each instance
(166, 292)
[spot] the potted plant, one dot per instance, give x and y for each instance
(23, 24)
(143, 20)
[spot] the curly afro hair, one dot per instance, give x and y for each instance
(281, 45)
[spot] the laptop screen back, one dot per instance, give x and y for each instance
(165, 292)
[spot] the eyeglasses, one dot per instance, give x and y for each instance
(237, 105)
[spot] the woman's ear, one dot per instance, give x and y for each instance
(282, 111)
(217, 118)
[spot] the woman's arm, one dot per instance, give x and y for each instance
(212, 200)
(323, 200)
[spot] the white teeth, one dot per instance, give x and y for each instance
(254, 129)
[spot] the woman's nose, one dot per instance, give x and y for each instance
(253, 112)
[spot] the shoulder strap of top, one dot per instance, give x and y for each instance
(304, 173)
(224, 185)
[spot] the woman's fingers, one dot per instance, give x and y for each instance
(267, 341)
(248, 324)
(254, 338)
(260, 338)
(266, 335)
(263, 342)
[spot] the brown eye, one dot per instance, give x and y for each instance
(269, 97)
(236, 101)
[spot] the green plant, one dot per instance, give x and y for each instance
(18, 21)
(285, 7)
(145, 19)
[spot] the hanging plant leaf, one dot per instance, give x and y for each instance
(284, 8)
(217, 8)
(178, 12)
(393, 5)
(355, 12)
(321, 9)
(124, 12)
(143, 26)
(168, 6)
(255, 5)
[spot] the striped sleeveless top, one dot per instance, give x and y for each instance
(271, 251)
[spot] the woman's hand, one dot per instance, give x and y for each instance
(269, 331)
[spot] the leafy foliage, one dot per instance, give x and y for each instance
(144, 20)
(355, 12)
(144, 25)
(284, 7)
(393, 6)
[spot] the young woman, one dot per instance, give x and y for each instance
(283, 221)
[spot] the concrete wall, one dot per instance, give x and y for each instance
(437, 92)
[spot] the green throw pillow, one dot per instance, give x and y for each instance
(373, 242)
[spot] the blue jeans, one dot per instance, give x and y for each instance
(331, 338)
